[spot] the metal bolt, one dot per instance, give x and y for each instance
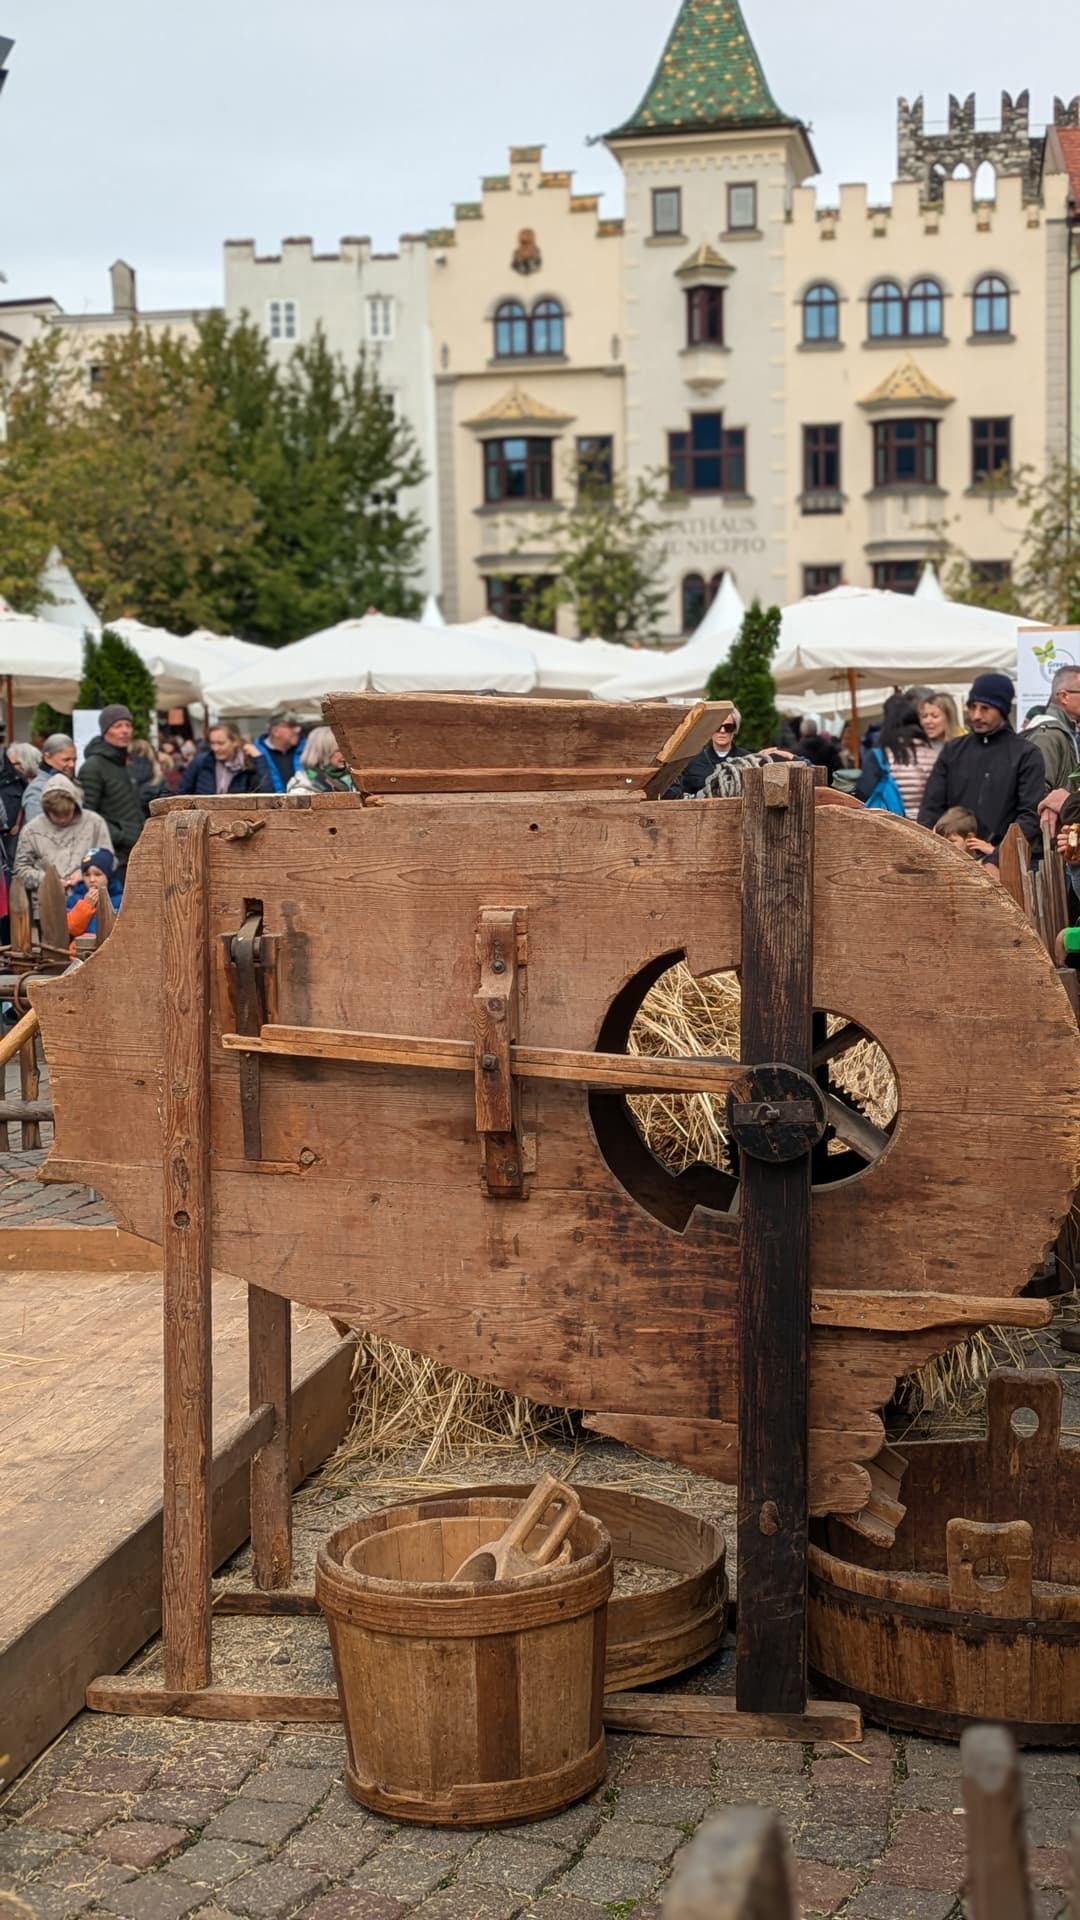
(307, 1158)
(510, 1170)
(498, 965)
(769, 1116)
(488, 1062)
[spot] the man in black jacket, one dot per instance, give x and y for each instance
(108, 787)
(996, 773)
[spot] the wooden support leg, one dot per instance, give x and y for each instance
(188, 1385)
(774, 1297)
(30, 1087)
(270, 1375)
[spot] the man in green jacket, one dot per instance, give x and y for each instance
(1055, 735)
(108, 787)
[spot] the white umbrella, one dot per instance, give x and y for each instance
(930, 587)
(432, 614)
(563, 666)
(183, 665)
(42, 661)
(67, 605)
(377, 655)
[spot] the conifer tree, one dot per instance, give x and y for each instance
(113, 674)
(746, 676)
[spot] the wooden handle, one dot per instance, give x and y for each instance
(1034, 1388)
(545, 1494)
(21, 1032)
(990, 1568)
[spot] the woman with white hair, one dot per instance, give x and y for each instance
(323, 768)
(713, 755)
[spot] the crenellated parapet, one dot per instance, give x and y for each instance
(932, 158)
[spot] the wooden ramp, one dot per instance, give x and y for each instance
(81, 1447)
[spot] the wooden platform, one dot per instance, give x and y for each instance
(80, 1440)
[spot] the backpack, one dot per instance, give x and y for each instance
(885, 796)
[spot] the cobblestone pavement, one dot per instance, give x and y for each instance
(157, 1820)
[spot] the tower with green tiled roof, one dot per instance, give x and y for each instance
(709, 77)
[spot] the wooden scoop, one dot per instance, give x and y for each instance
(506, 1558)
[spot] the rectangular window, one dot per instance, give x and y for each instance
(897, 576)
(95, 374)
(667, 210)
(380, 318)
(710, 458)
(905, 453)
(991, 573)
(595, 464)
(820, 580)
(991, 448)
(821, 464)
(741, 209)
(705, 317)
(282, 319)
(518, 597)
(517, 470)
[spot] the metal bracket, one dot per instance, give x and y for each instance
(246, 951)
(781, 1115)
(496, 1013)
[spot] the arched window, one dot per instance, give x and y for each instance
(715, 585)
(925, 310)
(694, 593)
(992, 303)
(985, 184)
(886, 311)
(511, 330)
(548, 328)
(821, 314)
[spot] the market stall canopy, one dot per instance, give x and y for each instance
(184, 664)
(432, 615)
(44, 661)
(725, 613)
(375, 655)
(563, 666)
(66, 604)
(930, 587)
(886, 639)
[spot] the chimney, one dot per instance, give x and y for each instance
(123, 288)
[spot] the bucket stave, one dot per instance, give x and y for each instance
(466, 1704)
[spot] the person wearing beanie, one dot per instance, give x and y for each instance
(997, 774)
(97, 875)
(107, 784)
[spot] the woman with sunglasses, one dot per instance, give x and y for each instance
(692, 779)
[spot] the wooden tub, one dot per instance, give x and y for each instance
(974, 1613)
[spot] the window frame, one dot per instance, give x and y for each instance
(589, 484)
(986, 430)
(821, 453)
(550, 314)
(884, 575)
(742, 226)
(512, 314)
(830, 567)
(927, 293)
(507, 601)
(707, 301)
(521, 325)
(729, 455)
(991, 288)
(283, 319)
(381, 304)
(888, 437)
(537, 464)
(667, 232)
(821, 307)
(693, 584)
(888, 294)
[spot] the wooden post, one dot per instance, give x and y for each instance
(853, 690)
(774, 1288)
(270, 1377)
(30, 1087)
(186, 1237)
(737, 1867)
(997, 1879)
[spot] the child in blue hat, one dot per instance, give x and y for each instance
(98, 870)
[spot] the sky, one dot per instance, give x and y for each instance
(155, 132)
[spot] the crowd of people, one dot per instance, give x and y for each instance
(84, 820)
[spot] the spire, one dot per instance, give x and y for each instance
(709, 76)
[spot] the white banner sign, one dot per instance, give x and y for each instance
(84, 728)
(1040, 651)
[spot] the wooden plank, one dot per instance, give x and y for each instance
(997, 1878)
(20, 917)
(737, 1867)
(447, 732)
(117, 1693)
(270, 1384)
(244, 1602)
(33, 1109)
(774, 1293)
(52, 912)
(188, 1362)
(1010, 867)
(409, 780)
(76, 1250)
(639, 1073)
(80, 1496)
(716, 1717)
(897, 1312)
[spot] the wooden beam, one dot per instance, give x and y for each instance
(270, 1385)
(912, 1312)
(737, 1867)
(626, 1073)
(188, 1378)
(997, 1877)
(774, 1288)
(120, 1694)
(716, 1717)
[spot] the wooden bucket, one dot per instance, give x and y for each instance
(465, 1705)
(974, 1613)
(650, 1636)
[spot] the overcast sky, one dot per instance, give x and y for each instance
(155, 131)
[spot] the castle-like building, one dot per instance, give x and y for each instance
(830, 391)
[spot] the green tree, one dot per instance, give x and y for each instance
(609, 547)
(1042, 512)
(113, 674)
(746, 676)
(45, 720)
(318, 446)
(128, 473)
